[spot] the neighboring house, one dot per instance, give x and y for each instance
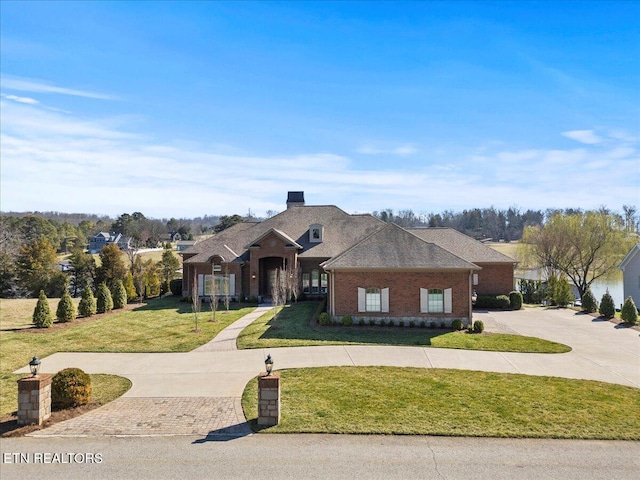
(182, 245)
(630, 267)
(365, 267)
(102, 239)
(65, 266)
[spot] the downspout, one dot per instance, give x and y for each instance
(470, 297)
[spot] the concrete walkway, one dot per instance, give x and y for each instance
(194, 392)
(226, 339)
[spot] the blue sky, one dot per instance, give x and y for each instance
(191, 108)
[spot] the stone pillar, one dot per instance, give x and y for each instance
(34, 399)
(269, 399)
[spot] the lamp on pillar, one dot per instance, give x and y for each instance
(268, 364)
(253, 275)
(34, 366)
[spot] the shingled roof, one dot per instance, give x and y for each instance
(395, 247)
(461, 245)
(341, 231)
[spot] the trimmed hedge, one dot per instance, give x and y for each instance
(70, 387)
(515, 300)
(493, 302)
(176, 287)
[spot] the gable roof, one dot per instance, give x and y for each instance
(461, 245)
(341, 231)
(395, 247)
(635, 250)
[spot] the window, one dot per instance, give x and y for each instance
(305, 283)
(435, 304)
(373, 299)
(225, 285)
(315, 281)
(323, 283)
(436, 300)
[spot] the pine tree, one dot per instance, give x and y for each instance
(87, 306)
(104, 299)
(119, 295)
(629, 311)
(607, 307)
(42, 313)
(589, 303)
(66, 311)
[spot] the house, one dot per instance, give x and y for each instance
(182, 245)
(630, 267)
(102, 239)
(365, 268)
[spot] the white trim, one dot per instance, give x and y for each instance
(424, 300)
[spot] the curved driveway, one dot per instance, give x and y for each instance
(199, 392)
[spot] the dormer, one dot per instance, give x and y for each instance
(316, 232)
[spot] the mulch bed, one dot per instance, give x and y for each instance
(9, 423)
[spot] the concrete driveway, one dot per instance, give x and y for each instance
(199, 385)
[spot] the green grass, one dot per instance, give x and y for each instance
(105, 388)
(386, 400)
(291, 328)
(160, 325)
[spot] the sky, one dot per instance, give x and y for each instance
(184, 109)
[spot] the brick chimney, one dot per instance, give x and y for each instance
(295, 199)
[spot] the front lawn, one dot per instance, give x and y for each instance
(159, 325)
(413, 401)
(292, 328)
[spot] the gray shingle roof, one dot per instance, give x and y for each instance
(341, 231)
(461, 245)
(395, 247)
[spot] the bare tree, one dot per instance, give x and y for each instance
(226, 287)
(293, 283)
(195, 300)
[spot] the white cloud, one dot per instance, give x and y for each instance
(583, 136)
(27, 100)
(38, 86)
(55, 161)
(401, 150)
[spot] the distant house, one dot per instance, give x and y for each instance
(365, 268)
(630, 267)
(65, 266)
(101, 239)
(184, 244)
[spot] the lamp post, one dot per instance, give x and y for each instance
(268, 364)
(34, 366)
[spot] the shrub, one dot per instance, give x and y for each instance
(372, 322)
(175, 286)
(87, 306)
(515, 300)
(347, 320)
(500, 302)
(589, 303)
(119, 295)
(423, 324)
(443, 325)
(562, 294)
(478, 326)
(324, 319)
(401, 323)
(104, 301)
(42, 313)
(607, 307)
(66, 311)
(130, 287)
(531, 290)
(361, 322)
(69, 388)
(391, 323)
(456, 324)
(432, 325)
(629, 311)
(412, 324)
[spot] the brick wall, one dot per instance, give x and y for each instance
(404, 292)
(494, 279)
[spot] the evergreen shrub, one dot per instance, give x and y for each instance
(42, 313)
(629, 312)
(607, 307)
(589, 303)
(70, 387)
(478, 326)
(119, 295)
(104, 301)
(66, 311)
(456, 324)
(87, 306)
(515, 300)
